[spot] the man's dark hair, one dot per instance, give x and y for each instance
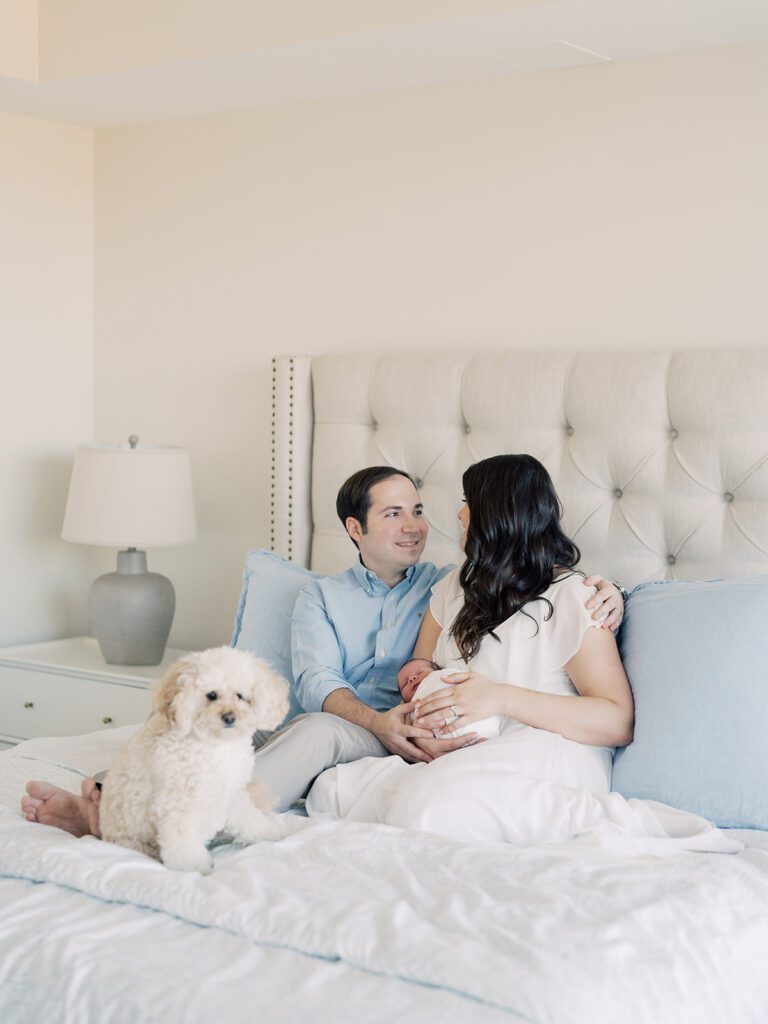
(354, 497)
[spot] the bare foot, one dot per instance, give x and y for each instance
(50, 805)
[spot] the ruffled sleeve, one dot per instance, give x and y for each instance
(446, 599)
(562, 634)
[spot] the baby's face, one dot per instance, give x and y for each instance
(411, 674)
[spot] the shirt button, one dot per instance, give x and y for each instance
(382, 654)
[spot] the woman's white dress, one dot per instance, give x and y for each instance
(526, 786)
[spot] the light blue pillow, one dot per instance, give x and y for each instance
(696, 655)
(271, 585)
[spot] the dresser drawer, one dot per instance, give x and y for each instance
(36, 703)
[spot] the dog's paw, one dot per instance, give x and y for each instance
(280, 826)
(291, 823)
(191, 860)
(269, 827)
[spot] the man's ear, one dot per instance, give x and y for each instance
(354, 529)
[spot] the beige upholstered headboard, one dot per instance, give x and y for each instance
(660, 458)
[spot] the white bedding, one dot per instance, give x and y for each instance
(366, 922)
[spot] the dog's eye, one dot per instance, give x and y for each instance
(240, 696)
(212, 695)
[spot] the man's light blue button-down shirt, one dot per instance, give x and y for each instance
(353, 631)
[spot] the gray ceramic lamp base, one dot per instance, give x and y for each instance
(132, 611)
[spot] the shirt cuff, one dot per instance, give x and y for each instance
(314, 696)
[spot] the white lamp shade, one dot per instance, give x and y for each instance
(121, 497)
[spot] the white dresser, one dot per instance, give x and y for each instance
(64, 688)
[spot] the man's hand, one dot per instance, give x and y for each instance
(438, 747)
(607, 606)
(394, 731)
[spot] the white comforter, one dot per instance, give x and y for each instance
(549, 934)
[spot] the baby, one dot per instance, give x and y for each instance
(419, 677)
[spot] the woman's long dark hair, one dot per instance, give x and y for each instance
(514, 545)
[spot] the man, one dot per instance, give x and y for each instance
(350, 635)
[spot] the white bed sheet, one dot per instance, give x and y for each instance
(66, 959)
(366, 922)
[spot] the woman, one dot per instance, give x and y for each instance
(514, 616)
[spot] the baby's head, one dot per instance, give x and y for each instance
(411, 674)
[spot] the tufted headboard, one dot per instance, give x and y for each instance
(659, 458)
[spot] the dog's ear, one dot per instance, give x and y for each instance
(165, 691)
(270, 695)
(165, 695)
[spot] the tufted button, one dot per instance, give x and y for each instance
(419, 482)
(374, 425)
(673, 434)
(569, 431)
(728, 496)
(618, 493)
(671, 559)
(467, 429)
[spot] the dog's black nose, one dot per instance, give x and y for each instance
(228, 718)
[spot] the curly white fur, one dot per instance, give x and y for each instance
(186, 775)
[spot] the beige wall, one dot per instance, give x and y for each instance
(615, 206)
(46, 385)
(18, 38)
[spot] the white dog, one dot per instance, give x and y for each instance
(185, 776)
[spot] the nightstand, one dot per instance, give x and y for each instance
(64, 688)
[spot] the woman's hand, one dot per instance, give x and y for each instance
(468, 697)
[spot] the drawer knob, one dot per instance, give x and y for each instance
(107, 720)
(29, 703)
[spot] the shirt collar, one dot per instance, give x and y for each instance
(368, 579)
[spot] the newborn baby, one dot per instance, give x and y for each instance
(419, 678)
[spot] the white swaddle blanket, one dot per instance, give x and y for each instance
(486, 729)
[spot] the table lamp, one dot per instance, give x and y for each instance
(131, 496)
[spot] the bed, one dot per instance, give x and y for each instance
(661, 462)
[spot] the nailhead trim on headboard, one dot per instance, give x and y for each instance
(273, 468)
(291, 450)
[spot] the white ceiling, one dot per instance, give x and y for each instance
(561, 33)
